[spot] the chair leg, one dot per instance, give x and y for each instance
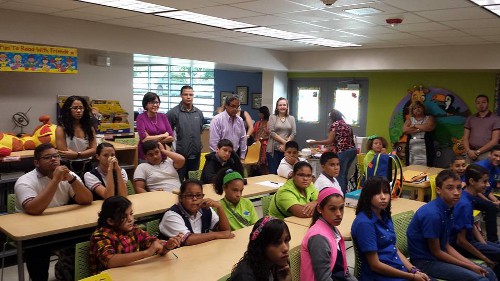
(3, 258)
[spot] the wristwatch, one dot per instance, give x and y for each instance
(478, 152)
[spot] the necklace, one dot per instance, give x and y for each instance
(156, 119)
(283, 119)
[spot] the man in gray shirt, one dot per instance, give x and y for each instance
(187, 122)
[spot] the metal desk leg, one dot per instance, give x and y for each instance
(20, 261)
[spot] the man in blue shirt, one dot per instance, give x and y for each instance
(429, 231)
(465, 237)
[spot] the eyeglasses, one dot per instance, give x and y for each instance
(50, 156)
(76, 108)
(193, 196)
(304, 175)
(154, 103)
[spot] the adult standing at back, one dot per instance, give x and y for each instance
(152, 125)
(282, 129)
(187, 121)
(481, 131)
(341, 139)
(228, 125)
(419, 127)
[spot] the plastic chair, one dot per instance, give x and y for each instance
(295, 263)
(82, 261)
(432, 181)
(202, 160)
(153, 227)
(253, 154)
(194, 175)
(103, 276)
(130, 188)
(358, 263)
(265, 201)
(401, 222)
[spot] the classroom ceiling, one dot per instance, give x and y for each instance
(424, 22)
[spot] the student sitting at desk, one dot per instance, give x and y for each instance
(48, 185)
(285, 168)
(330, 164)
(266, 257)
(194, 217)
(224, 157)
(297, 197)
(108, 178)
(240, 211)
(373, 232)
(323, 255)
(429, 234)
(374, 145)
(158, 174)
(118, 242)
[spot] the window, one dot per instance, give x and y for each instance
(166, 80)
(347, 102)
(308, 105)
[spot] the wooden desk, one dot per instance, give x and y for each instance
(398, 205)
(252, 189)
(422, 186)
(207, 261)
(21, 227)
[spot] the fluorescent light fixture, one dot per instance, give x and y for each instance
(326, 42)
(486, 2)
(494, 8)
(275, 33)
(363, 11)
(204, 19)
(131, 5)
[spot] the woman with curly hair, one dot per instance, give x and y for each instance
(75, 135)
(266, 257)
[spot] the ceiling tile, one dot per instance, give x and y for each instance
(271, 7)
(476, 23)
(194, 27)
(226, 33)
(79, 15)
(396, 36)
(127, 23)
(300, 27)
(425, 5)
(371, 30)
(235, 40)
(425, 26)
(58, 4)
(152, 20)
(267, 20)
(385, 9)
(310, 16)
(107, 11)
(483, 31)
(345, 24)
(461, 41)
(494, 39)
(166, 29)
(457, 14)
(433, 34)
(185, 4)
(200, 35)
(407, 18)
(26, 7)
(226, 12)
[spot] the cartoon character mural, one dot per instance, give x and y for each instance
(31, 63)
(450, 113)
(18, 62)
(4, 60)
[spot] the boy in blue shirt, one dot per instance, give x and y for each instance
(428, 235)
(464, 236)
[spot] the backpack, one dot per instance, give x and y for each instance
(388, 166)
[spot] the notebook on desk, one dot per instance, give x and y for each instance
(414, 176)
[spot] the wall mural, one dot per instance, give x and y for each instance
(450, 112)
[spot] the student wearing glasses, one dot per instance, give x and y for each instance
(194, 217)
(49, 185)
(152, 125)
(297, 197)
(75, 135)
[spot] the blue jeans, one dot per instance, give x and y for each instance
(346, 158)
(491, 251)
(448, 271)
(490, 217)
(274, 161)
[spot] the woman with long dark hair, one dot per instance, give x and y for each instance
(261, 133)
(75, 135)
(266, 257)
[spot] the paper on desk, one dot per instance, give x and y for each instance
(271, 183)
(414, 176)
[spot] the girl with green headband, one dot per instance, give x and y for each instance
(239, 211)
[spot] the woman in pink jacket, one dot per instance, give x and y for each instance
(323, 254)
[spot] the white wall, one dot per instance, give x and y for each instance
(274, 85)
(20, 91)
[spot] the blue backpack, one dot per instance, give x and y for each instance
(388, 166)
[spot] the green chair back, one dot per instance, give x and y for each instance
(194, 175)
(266, 201)
(82, 260)
(130, 188)
(295, 263)
(11, 203)
(401, 222)
(225, 277)
(153, 227)
(357, 260)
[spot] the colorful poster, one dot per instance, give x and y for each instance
(31, 58)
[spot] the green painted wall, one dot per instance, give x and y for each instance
(387, 88)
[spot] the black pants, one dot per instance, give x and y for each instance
(490, 217)
(189, 165)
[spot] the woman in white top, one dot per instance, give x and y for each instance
(282, 129)
(420, 147)
(75, 135)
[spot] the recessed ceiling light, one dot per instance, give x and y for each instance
(494, 8)
(486, 2)
(275, 33)
(204, 19)
(132, 5)
(326, 43)
(363, 11)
